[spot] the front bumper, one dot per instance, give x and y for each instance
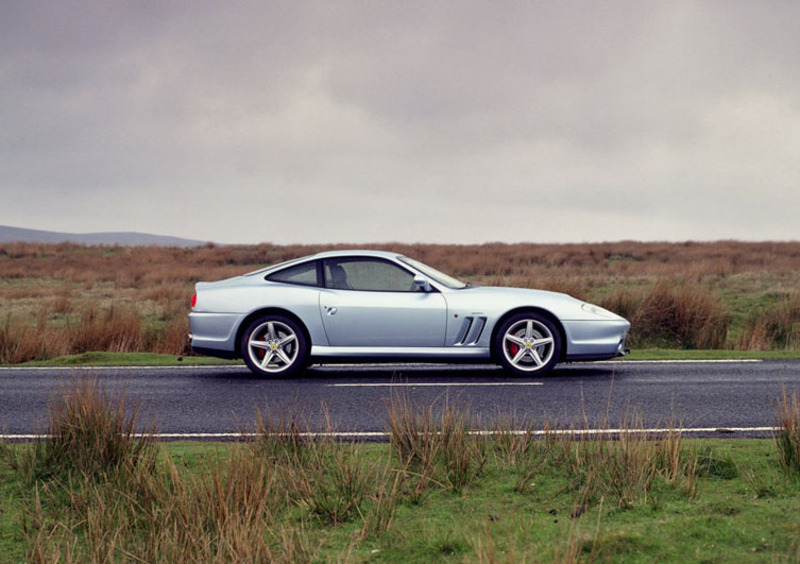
(596, 340)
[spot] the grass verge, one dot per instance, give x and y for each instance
(223, 493)
(102, 358)
(435, 493)
(679, 354)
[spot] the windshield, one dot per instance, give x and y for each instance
(430, 272)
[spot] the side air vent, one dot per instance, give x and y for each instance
(470, 331)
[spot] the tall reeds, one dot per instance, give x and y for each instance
(90, 327)
(673, 314)
(92, 432)
(773, 328)
(624, 466)
(435, 442)
(787, 438)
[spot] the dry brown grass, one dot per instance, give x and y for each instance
(673, 315)
(777, 326)
(787, 439)
(435, 443)
(59, 299)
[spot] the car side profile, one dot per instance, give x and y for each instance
(377, 306)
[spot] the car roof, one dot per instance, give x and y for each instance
(354, 252)
(324, 255)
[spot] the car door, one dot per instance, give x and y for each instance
(373, 302)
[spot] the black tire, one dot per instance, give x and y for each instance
(274, 346)
(528, 344)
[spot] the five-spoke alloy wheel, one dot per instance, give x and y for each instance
(528, 343)
(274, 345)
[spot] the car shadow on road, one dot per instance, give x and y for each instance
(422, 374)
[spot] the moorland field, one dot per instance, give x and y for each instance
(68, 299)
(437, 492)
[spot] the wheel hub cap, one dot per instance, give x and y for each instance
(273, 346)
(528, 345)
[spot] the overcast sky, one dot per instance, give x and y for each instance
(435, 122)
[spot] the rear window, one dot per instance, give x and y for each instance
(303, 274)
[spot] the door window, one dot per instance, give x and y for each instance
(373, 275)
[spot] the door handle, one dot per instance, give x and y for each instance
(331, 310)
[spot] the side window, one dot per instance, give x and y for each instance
(303, 274)
(367, 274)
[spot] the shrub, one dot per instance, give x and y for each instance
(116, 329)
(787, 438)
(90, 434)
(624, 466)
(777, 327)
(674, 314)
(436, 445)
(18, 342)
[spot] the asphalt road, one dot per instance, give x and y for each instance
(726, 398)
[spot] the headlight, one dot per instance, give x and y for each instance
(597, 310)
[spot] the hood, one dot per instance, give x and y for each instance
(524, 294)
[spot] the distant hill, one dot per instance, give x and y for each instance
(127, 239)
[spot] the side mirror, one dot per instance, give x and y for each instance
(421, 283)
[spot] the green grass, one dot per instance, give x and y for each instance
(678, 354)
(731, 519)
(100, 358)
(12, 494)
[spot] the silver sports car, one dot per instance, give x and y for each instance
(374, 306)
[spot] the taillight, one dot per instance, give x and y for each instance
(194, 301)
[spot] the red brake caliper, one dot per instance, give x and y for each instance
(261, 352)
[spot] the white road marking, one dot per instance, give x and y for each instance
(677, 361)
(413, 366)
(429, 384)
(91, 368)
(385, 435)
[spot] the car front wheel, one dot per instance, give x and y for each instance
(274, 346)
(528, 343)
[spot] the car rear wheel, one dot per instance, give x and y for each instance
(528, 343)
(274, 345)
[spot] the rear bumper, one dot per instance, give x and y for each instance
(214, 334)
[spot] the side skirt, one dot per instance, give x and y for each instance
(431, 354)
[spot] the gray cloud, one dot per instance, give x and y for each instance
(434, 122)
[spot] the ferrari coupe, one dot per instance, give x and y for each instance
(376, 306)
